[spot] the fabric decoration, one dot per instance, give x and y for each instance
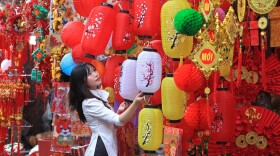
(39, 55)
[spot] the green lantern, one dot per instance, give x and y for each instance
(39, 55)
(40, 12)
(39, 34)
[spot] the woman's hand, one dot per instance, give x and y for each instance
(142, 99)
(123, 106)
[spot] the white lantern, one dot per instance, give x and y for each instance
(128, 88)
(148, 71)
(6, 64)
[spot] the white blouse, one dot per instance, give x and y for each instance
(101, 121)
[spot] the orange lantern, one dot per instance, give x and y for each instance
(99, 66)
(123, 37)
(71, 33)
(98, 29)
(84, 7)
(146, 18)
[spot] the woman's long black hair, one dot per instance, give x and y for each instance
(79, 90)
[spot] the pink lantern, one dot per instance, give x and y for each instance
(148, 71)
(128, 89)
(98, 29)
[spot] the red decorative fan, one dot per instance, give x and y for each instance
(273, 74)
(257, 131)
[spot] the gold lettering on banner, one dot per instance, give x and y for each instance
(252, 114)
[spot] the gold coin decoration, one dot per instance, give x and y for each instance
(261, 142)
(240, 141)
(251, 137)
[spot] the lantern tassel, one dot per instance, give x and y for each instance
(239, 66)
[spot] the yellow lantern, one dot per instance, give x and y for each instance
(173, 99)
(150, 128)
(174, 44)
(111, 92)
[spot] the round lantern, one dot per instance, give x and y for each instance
(128, 89)
(173, 99)
(71, 33)
(98, 29)
(123, 37)
(84, 7)
(223, 104)
(174, 44)
(146, 18)
(117, 74)
(5, 64)
(150, 128)
(199, 115)
(148, 71)
(111, 64)
(67, 64)
(188, 78)
(111, 92)
(99, 66)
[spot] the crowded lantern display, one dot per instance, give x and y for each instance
(139, 77)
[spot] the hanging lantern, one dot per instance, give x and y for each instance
(117, 74)
(123, 37)
(98, 29)
(174, 44)
(5, 64)
(84, 7)
(78, 54)
(148, 71)
(150, 128)
(173, 99)
(146, 18)
(156, 98)
(128, 89)
(67, 64)
(223, 104)
(111, 64)
(99, 66)
(72, 33)
(111, 92)
(188, 78)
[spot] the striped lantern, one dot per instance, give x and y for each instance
(174, 44)
(150, 128)
(223, 104)
(173, 99)
(83, 7)
(128, 89)
(98, 29)
(117, 74)
(72, 33)
(111, 64)
(123, 37)
(146, 18)
(148, 71)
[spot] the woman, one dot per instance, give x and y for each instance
(86, 97)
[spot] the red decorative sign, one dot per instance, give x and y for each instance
(207, 56)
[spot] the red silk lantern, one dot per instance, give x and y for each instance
(146, 18)
(78, 55)
(188, 78)
(123, 37)
(156, 98)
(121, 5)
(117, 83)
(71, 33)
(98, 29)
(223, 104)
(84, 7)
(199, 115)
(111, 64)
(99, 66)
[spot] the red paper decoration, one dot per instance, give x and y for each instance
(98, 29)
(188, 78)
(71, 33)
(111, 64)
(123, 37)
(99, 66)
(84, 7)
(146, 18)
(223, 104)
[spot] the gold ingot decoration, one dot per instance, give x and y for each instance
(251, 137)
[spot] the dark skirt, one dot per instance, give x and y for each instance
(100, 149)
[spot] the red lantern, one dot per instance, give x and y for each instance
(111, 64)
(120, 5)
(84, 7)
(156, 98)
(99, 66)
(223, 104)
(117, 83)
(199, 115)
(98, 29)
(78, 55)
(71, 33)
(123, 37)
(146, 18)
(188, 78)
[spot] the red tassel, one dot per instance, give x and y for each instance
(231, 79)
(239, 66)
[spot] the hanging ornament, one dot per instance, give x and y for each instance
(39, 55)
(40, 12)
(39, 33)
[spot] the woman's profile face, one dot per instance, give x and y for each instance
(93, 79)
